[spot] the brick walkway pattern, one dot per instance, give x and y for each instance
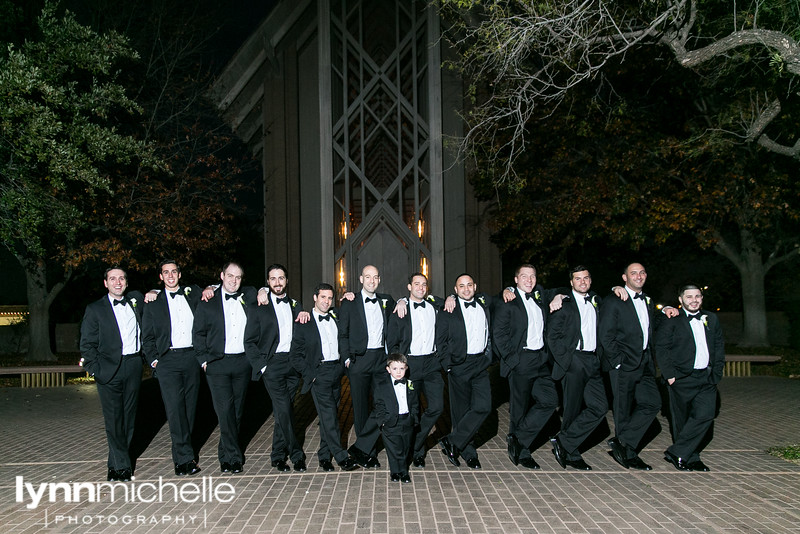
(56, 436)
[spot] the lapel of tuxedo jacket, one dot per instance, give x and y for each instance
(110, 320)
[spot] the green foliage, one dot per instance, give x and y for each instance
(788, 452)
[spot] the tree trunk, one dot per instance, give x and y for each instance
(39, 300)
(754, 306)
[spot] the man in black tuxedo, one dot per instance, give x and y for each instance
(268, 343)
(691, 354)
(218, 339)
(167, 342)
(315, 355)
(464, 348)
(518, 336)
(362, 345)
(111, 353)
(626, 328)
(572, 339)
(414, 335)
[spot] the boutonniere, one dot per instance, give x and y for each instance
(332, 314)
(294, 303)
(410, 385)
(536, 296)
(704, 319)
(240, 300)
(594, 301)
(483, 302)
(186, 291)
(647, 300)
(430, 298)
(133, 302)
(383, 303)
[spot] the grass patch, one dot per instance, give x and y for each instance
(789, 452)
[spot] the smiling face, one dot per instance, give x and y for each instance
(635, 277)
(465, 287)
(276, 279)
(397, 370)
(525, 279)
(170, 275)
(581, 282)
(323, 301)
(370, 279)
(116, 282)
(418, 288)
(691, 300)
(231, 278)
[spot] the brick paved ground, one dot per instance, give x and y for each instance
(55, 435)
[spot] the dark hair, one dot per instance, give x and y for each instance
(524, 265)
(625, 269)
(113, 268)
(464, 274)
(577, 269)
(322, 286)
(411, 278)
(236, 263)
(275, 266)
(396, 357)
(683, 289)
(167, 262)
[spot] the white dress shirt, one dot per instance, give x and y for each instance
(329, 336)
(644, 317)
(128, 327)
(235, 321)
(476, 326)
(181, 320)
(423, 326)
(588, 323)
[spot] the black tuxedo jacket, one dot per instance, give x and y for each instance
(451, 334)
(208, 332)
(353, 335)
(156, 326)
(511, 326)
(675, 346)
(101, 342)
(386, 409)
(399, 331)
(564, 333)
(621, 335)
(262, 334)
(307, 349)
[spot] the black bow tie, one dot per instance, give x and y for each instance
(529, 295)
(587, 298)
(472, 304)
(178, 292)
(419, 305)
(284, 299)
(120, 301)
(374, 299)
(639, 296)
(324, 317)
(401, 381)
(231, 295)
(693, 316)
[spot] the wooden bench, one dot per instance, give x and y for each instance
(42, 376)
(739, 364)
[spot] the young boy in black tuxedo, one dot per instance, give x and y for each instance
(396, 411)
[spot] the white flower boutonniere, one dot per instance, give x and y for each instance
(186, 291)
(410, 385)
(594, 301)
(383, 303)
(241, 300)
(704, 318)
(483, 302)
(647, 300)
(333, 315)
(536, 296)
(133, 302)
(430, 298)
(294, 303)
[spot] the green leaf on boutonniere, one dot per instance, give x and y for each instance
(410, 385)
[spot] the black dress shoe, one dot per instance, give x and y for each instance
(579, 464)
(559, 452)
(326, 465)
(618, 452)
(449, 450)
(236, 467)
(300, 466)
(698, 465)
(405, 478)
(474, 463)
(419, 461)
(394, 477)
(514, 448)
(191, 468)
(225, 467)
(372, 461)
(679, 463)
(112, 475)
(637, 463)
(124, 475)
(529, 463)
(358, 456)
(348, 465)
(281, 466)
(180, 470)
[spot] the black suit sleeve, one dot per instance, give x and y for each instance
(345, 311)
(90, 339)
